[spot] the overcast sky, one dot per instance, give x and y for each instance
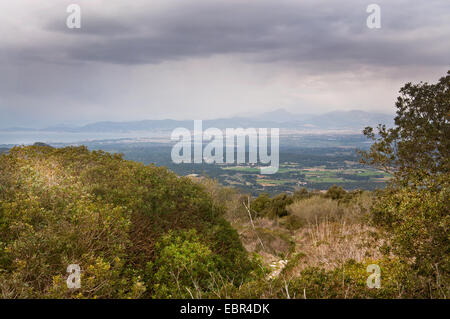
(203, 59)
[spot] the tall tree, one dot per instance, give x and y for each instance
(419, 144)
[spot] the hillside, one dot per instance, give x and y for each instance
(119, 220)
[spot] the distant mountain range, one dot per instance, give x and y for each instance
(337, 120)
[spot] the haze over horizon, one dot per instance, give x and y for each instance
(278, 115)
(200, 59)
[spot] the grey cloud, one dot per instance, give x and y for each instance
(94, 24)
(270, 30)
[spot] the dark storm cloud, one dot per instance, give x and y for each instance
(303, 31)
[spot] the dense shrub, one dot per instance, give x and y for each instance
(262, 204)
(279, 204)
(418, 220)
(184, 267)
(335, 192)
(271, 207)
(72, 206)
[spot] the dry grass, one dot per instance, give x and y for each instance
(315, 208)
(329, 244)
(332, 234)
(335, 233)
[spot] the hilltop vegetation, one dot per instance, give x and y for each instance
(119, 220)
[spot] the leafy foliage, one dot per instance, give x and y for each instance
(335, 192)
(419, 144)
(183, 267)
(72, 206)
(272, 207)
(414, 208)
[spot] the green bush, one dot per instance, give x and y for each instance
(271, 207)
(184, 267)
(279, 204)
(418, 220)
(262, 204)
(335, 192)
(72, 206)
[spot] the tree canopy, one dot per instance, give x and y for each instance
(419, 144)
